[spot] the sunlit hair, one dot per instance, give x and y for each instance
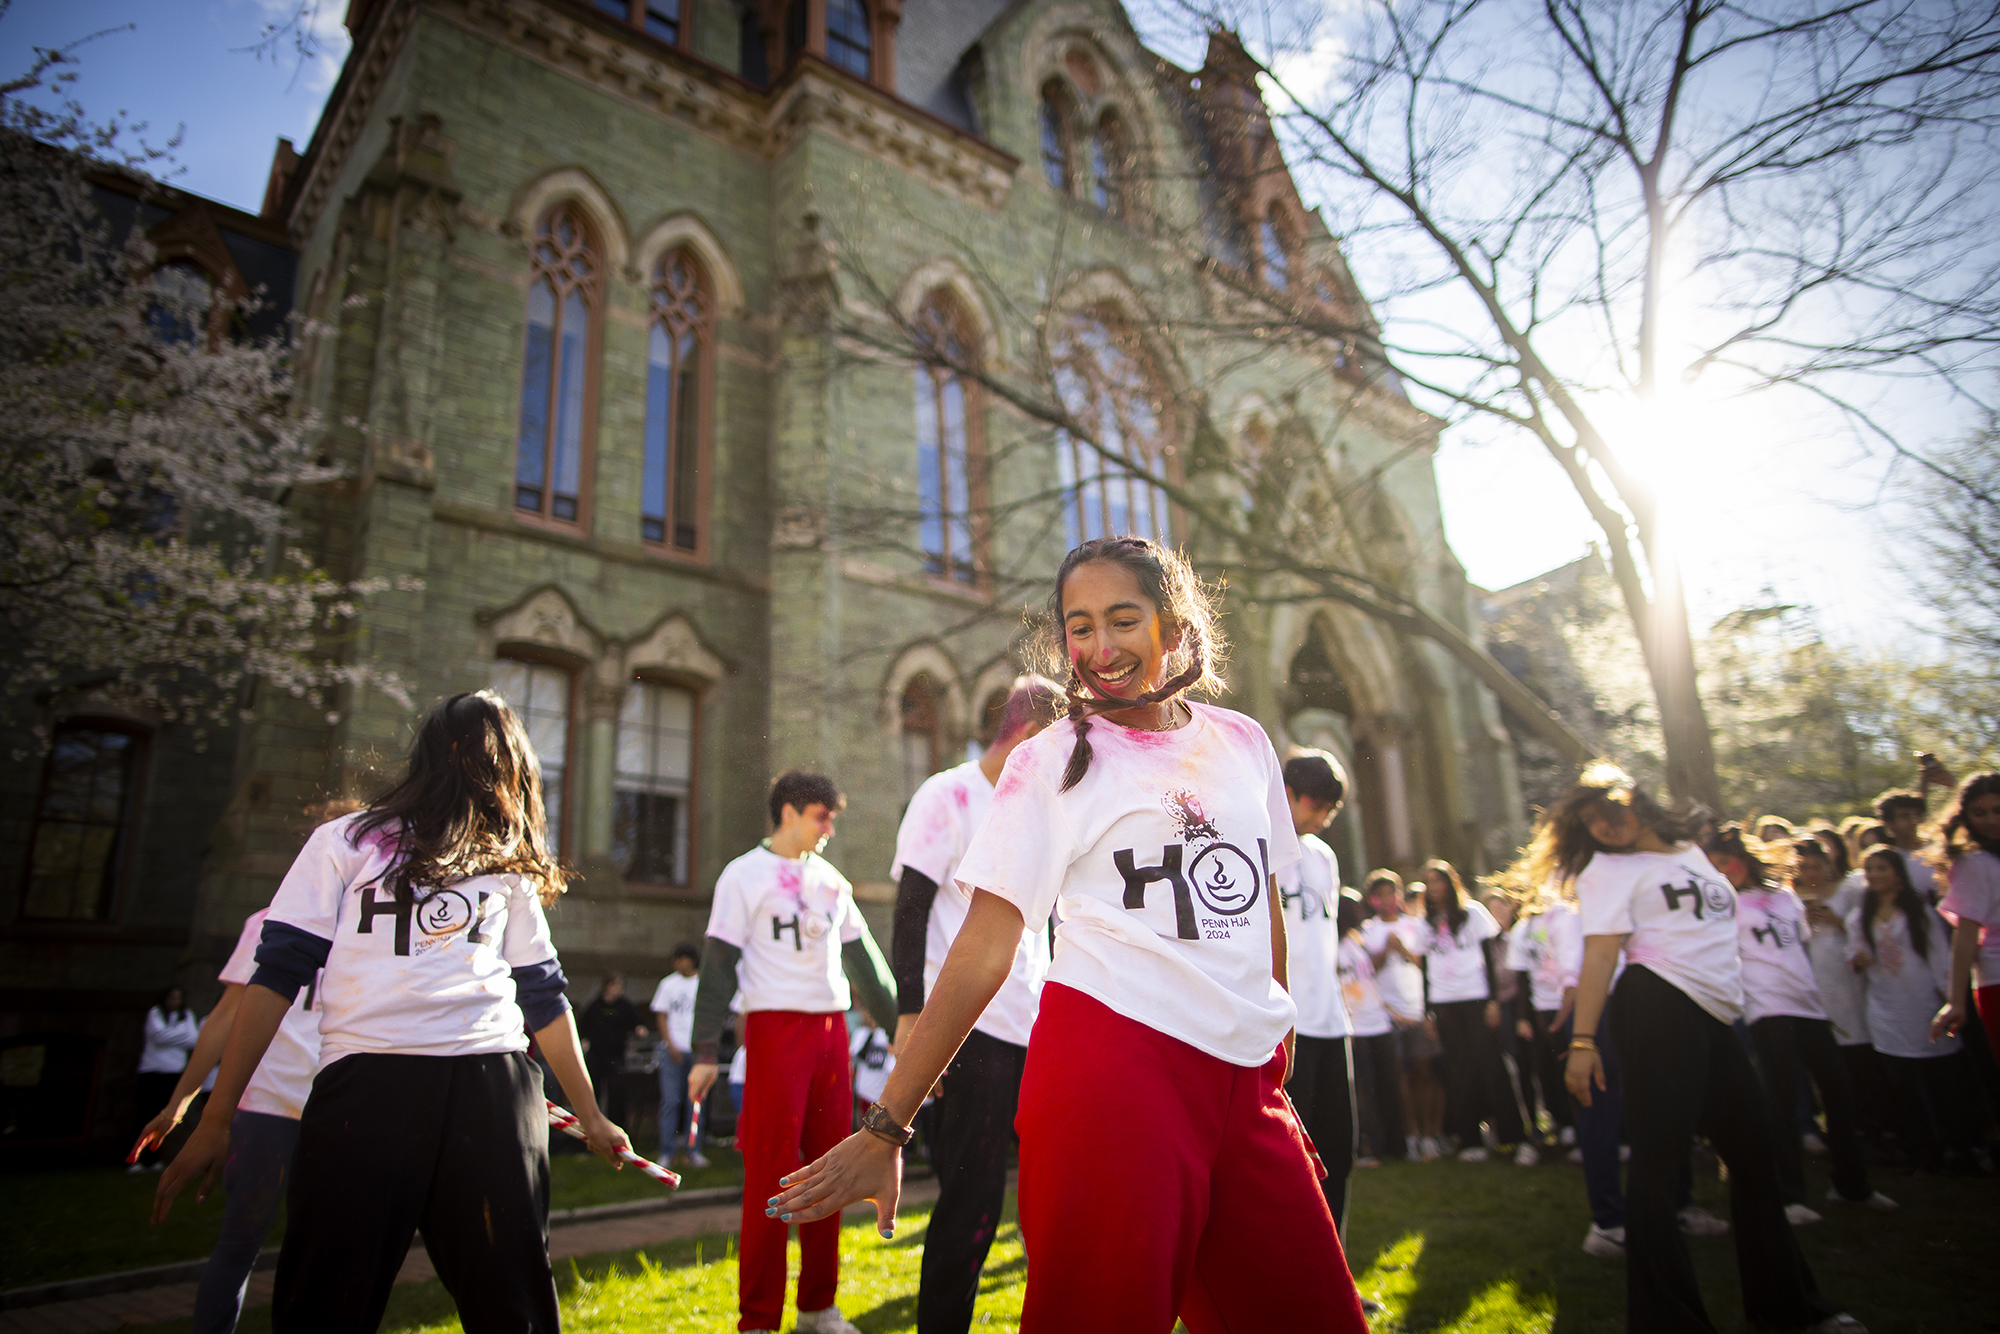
(1453, 908)
(1955, 834)
(1032, 704)
(1898, 799)
(1185, 604)
(1915, 911)
(1317, 775)
(1766, 862)
(1786, 829)
(1867, 834)
(1563, 846)
(469, 804)
(1814, 849)
(1379, 877)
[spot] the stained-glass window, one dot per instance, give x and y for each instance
(81, 820)
(677, 361)
(655, 783)
(1109, 488)
(944, 444)
(548, 459)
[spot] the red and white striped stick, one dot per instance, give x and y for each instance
(562, 1119)
(694, 1131)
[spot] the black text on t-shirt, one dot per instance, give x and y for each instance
(1703, 895)
(440, 916)
(1220, 874)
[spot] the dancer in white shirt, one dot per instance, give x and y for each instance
(1162, 1173)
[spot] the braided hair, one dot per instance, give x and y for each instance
(1184, 603)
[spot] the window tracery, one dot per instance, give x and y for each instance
(678, 377)
(947, 439)
(1107, 385)
(556, 365)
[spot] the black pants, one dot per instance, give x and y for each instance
(1378, 1094)
(455, 1145)
(1476, 1087)
(1686, 1073)
(1935, 1107)
(1871, 1091)
(1322, 1092)
(1790, 1049)
(971, 1127)
(1544, 1056)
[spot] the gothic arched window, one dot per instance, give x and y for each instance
(1107, 165)
(678, 375)
(947, 445)
(1106, 384)
(1055, 136)
(1277, 260)
(922, 732)
(556, 367)
(848, 42)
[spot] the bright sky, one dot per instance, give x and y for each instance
(1765, 499)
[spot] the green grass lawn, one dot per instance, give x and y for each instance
(1473, 1249)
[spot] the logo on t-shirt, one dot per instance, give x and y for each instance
(1779, 933)
(1706, 896)
(439, 915)
(1218, 873)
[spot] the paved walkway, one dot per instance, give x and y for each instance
(175, 1301)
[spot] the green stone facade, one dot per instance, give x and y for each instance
(822, 206)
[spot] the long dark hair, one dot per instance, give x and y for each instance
(1454, 911)
(1979, 785)
(469, 804)
(161, 1004)
(1184, 603)
(1563, 846)
(1914, 909)
(1837, 854)
(1767, 862)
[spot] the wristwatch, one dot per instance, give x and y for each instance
(877, 1122)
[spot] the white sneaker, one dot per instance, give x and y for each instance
(1414, 1148)
(1567, 1137)
(828, 1321)
(696, 1159)
(1606, 1243)
(1475, 1154)
(1437, 1149)
(1487, 1137)
(1576, 1155)
(136, 1170)
(1798, 1215)
(1813, 1144)
(1838, 1324)
(1527, 1155)
(1877, 1201)
(1696, 1221)
(1367, 1161)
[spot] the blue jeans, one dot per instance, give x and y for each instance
(673, 1097)
(1597, 1129)
(260, 1158)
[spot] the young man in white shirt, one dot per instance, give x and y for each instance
(785, 926)
(673, 1020)
(972, 1122)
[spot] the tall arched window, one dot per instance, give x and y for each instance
(677, 376)
(923, 732)
(1277, 260)
(654, 785)
(946, 447)
(83, 816)
(1106, 384)
(1107, 165)
(848, 41)
(1055, 135)
(555, 372)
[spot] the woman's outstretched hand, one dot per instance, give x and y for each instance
(860, 1167)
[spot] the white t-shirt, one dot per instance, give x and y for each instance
(1922, 875)
(1309, 889)
(1680, 914)
(1160, 859)
(283, 1079)
(739, 1065)
(1548, 947)
(674, 998)
(1366, 1013)
(432, 980)
(790, 919)
(1905, 991)
(1401, 981)
(872, 1063)
(1975, 896)
(1771, 935)
(169, 1040)
(936, 830)
(1841, 991)
(1457, 961)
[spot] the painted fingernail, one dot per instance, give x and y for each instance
(770, 1213)
(785, 1217)
(774, 1199)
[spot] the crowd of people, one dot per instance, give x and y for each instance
(1123, 955)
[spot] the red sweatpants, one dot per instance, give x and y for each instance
(1158, 1181)
(797, 1104)
(1987, 1001)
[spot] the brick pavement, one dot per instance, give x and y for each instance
(585, 1237)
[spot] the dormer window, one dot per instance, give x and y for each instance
(848, 43)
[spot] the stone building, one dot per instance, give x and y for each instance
(611, 290)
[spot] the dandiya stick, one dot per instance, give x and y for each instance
(694, 1130)
(562, 1119)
